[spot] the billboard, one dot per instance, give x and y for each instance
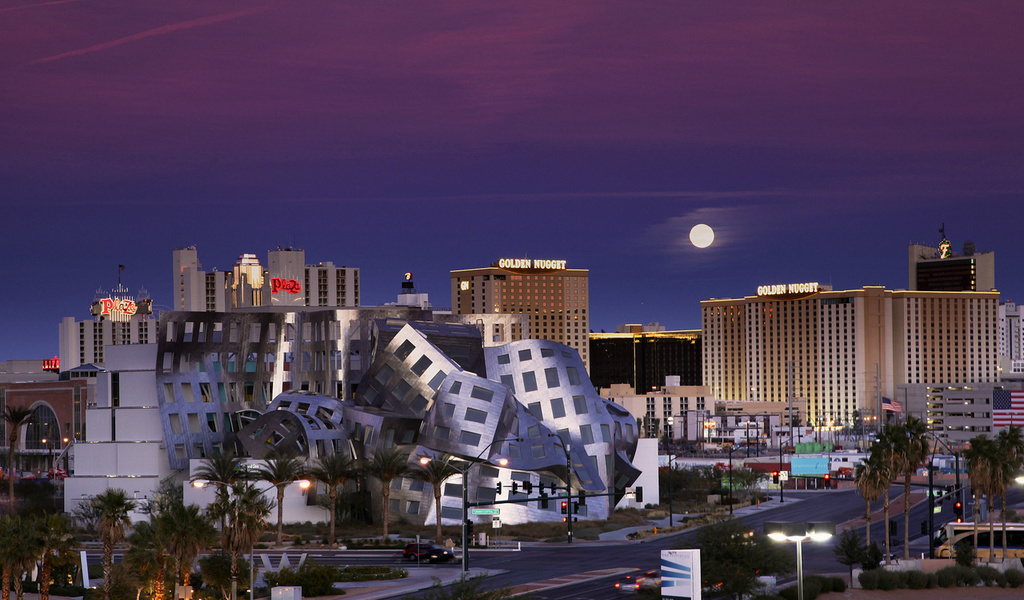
(680, 574)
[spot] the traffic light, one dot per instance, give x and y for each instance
(528, 487)
(565, 507)
(543, 499)
(554, 488)
(640, 495)
(575, 508)
(892, 527)
(958, 510)
(775, 476)
(515, 487)
(497, 489)
(469, 529)
(583, 498)
(924, 527)
(827, 476)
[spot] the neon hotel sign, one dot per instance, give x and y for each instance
(526, 263)
(788, 289)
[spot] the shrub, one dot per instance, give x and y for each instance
(869, 579)
(988, 574)
(314, 579)
(824, 583)
(946, 577)
(838, 584)
(957, 575)
(933, 581)
(872, 557)
(965, 553)
(917, 580)
(1014, 578)
(812, 588)
(888, 580)
(371, 573)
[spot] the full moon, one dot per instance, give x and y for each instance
(701, 235)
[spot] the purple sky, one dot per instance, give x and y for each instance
(817, 139)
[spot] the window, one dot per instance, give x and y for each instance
(557, 408)
(586, 434)
(535, 410)
(574, 376)
(525, 355)
(503, 359)
(476, 416)
(508, 382)
(421, 366)
(469, 438)
(580, 403)
(384, 374)
(482, 393)
(437, 380)
(530, 381)
(441, 432)
(456, 388)
(404, 350)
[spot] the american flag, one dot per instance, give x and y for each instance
(1007, 408)
(892, 405)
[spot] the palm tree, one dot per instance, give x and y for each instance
(1010, 444)
(148, 554)
(280, 471)
(387, 466)
(979, 456)
(436, 471)
(883, 454)
(869, 477)
(113, 507)
(246, 510)
(56, 540)
(910, 443)
(192, 533)
(20, 547)
(333, 470)
(15, 417)
(222, 470)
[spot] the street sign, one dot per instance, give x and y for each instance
(496, 522)
(783, 475)
(486, 511)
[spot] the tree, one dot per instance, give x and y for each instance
(113, 507)
(15, 417)
(910, 446)
(869, 477)
(884, 456)
(435, 471)
(280, 471)
(387, 466)
(20, 547)
(57, 546)
(191, 534)
(246, 510)
(222, 470)
(1010, 444)
(733, 557)
(333, 470)
(980, 457)
(147, 555)
(849, 549)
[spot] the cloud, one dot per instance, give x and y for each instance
(150, 33)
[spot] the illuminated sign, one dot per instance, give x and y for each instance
(945, 249)
(278, 284)
(114, 307)
(526, 263)
(408, 276)
(51, 364)
(464, 285)
(788, 289)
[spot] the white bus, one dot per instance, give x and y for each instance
(953, 533)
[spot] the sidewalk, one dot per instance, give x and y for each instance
(622, 535)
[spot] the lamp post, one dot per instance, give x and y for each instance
(731, 448)
(931, 493)
(465, 497)
(199, 483)
(671, 460)
(799, 533)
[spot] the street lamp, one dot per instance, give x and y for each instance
(671, 460)
(465, 496)
(800, 533)
(200, 483)
(931, 494)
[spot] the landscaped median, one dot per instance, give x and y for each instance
(318, 580)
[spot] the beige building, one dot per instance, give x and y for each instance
(844, 350)
(555, 298)
(287, 281)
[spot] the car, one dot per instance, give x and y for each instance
(631, 583)
(427, 553)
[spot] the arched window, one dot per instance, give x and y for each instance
(42, 425)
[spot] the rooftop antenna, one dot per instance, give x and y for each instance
(942, 230)
(119, 269)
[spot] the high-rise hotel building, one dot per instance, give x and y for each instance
(845, 349)
(287, 281)
(555, 297)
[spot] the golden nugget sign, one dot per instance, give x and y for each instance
(789, 289)
(526, 263)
